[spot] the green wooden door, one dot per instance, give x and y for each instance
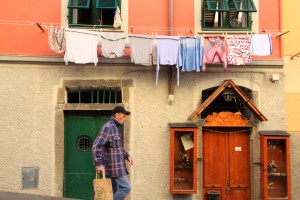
(81, 129)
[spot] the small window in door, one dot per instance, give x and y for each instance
(84, 143)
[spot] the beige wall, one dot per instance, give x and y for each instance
(29, 116)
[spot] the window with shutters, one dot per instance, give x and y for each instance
(92, 13)
(227, 14)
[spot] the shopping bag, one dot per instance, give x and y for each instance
(102, 188)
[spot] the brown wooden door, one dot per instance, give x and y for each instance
(226, 163)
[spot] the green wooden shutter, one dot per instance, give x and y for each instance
(217, 5)
(244, 5)
(79, 3)
(106, 4)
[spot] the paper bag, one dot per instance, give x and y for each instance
(102, 188)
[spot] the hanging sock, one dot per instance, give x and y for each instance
(117, 18)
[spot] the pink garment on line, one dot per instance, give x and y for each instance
(238, 49)
(214, 51)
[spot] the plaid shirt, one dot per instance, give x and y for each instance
(108, 150)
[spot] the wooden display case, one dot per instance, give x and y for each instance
(183, 158)
(275, 164)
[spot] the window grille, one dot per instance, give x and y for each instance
(104, 95)
(84, 143)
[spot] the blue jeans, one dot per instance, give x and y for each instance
(121, 187)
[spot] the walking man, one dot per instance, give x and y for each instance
(109, 155)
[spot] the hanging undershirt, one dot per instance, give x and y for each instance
(81, 47)
(113, 44)
(214, 51)
(191, 53)
(238, 49)
(261, 45)
(168, 53)
(141, 49)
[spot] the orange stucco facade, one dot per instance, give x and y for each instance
(270, 22)
(21, 36)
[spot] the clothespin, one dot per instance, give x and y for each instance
(40, 27)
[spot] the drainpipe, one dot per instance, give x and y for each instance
(171, 17)
(170, 71)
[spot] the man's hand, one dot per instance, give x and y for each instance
(101, 169)
(130, 159)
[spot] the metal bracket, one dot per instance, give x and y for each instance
(258, 163)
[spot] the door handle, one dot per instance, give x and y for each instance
(228, 188)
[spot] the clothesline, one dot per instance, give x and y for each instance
(78, 31)
(27, 22)
(46, 25)
(186, 53)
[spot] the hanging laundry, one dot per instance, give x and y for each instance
(56, 39)
(168, 53)
(238, 49)
(261, 45)
(113, 44)
(81, 47)
(214, 51)
(191, 53)
(117, 18)
(141, 49)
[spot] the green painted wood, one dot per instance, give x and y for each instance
(79, 170)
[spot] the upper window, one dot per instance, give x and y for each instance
(92, 13)
(227, 14)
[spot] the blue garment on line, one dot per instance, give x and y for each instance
(191, 53)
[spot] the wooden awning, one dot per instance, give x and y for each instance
(227, 84)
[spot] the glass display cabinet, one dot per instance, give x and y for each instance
(183, 158)
(275, 164)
